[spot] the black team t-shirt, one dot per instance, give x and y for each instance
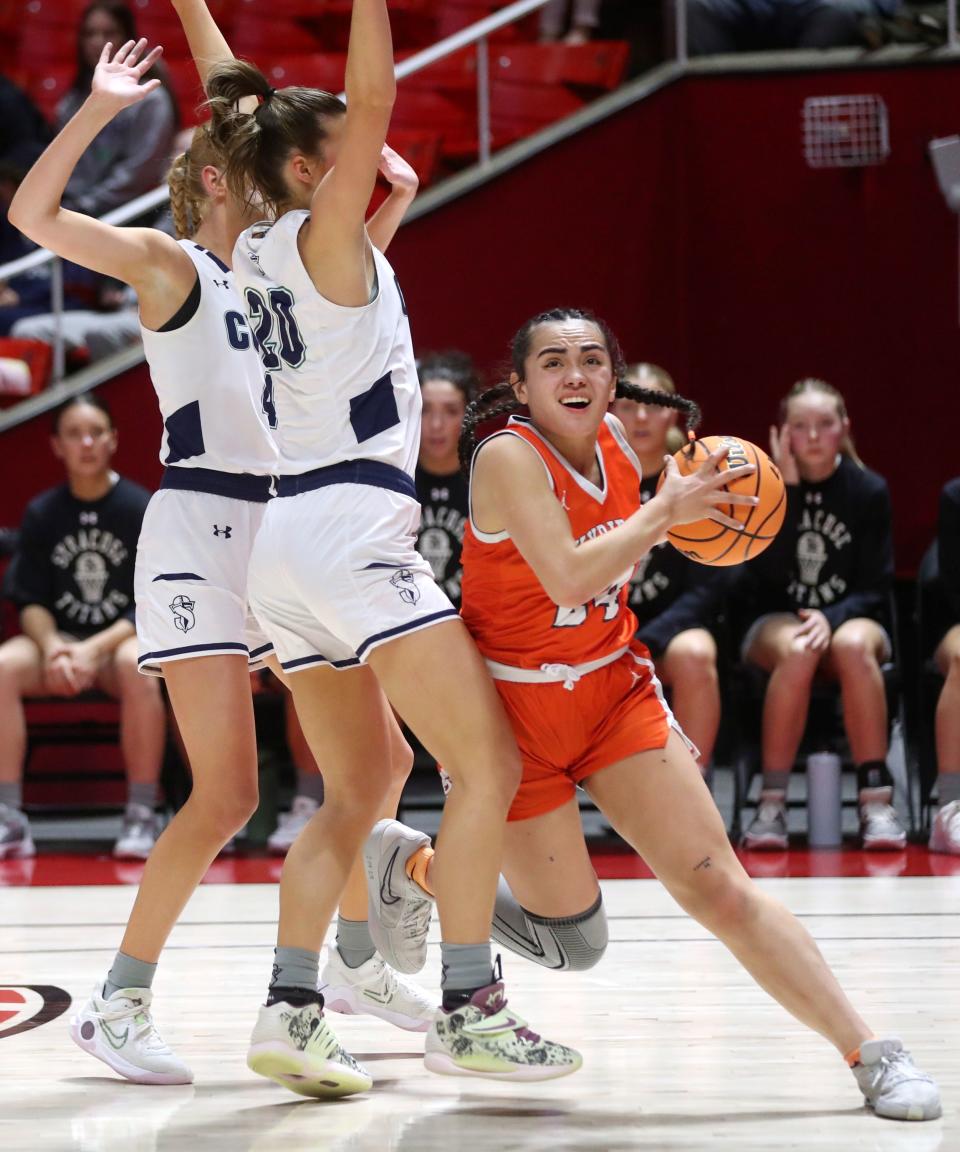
(75, 557)
(445, 508)
(834, 551)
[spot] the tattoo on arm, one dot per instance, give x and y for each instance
(706, 862)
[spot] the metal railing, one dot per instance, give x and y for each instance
(477, 34)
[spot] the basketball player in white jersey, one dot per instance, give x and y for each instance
(337, 582)
(192, 618)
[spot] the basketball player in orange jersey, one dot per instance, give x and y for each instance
(556, 527)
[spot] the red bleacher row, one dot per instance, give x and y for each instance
(304, 42)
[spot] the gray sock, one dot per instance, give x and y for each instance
(128, 972)
(11, 793)
(143, 794)
(775, 781)
(466, 967)
(948, 787)
(354, 942)
(310, 784)
(295, 968)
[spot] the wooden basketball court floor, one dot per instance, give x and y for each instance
(681, 1049)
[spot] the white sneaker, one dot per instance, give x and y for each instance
(399, 909)
(945, 833)
(892, 1084)
(880, 827)
(768, 829)
(291, 824)
(297, 1048)
(120, 1031)
(15, 839)
(138, 834)
(374, 989)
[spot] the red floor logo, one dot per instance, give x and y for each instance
(26, 1006)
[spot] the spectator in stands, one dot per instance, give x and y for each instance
(448, 382)
(715, 26)
(676, 601)
(129, 157)
(23, 132)
(572, 21)
(73, 582)
(87, 334)
(945, 833)
(821, 593)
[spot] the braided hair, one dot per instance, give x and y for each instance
(188, 197)
(501, 400)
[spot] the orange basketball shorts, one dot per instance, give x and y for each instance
(566, 736)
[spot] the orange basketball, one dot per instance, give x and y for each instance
(708, 542)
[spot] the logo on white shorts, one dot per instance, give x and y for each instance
(182, 608)
(405, 583)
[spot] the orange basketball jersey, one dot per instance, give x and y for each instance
(504, 605)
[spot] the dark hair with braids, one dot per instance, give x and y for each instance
(256, 144)
(501, 400)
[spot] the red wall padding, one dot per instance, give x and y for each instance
(691, 222)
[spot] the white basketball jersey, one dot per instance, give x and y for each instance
(343, 380)
(208, 380)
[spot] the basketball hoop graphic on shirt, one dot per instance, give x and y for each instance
(404, 582)
(90, 573)
(182, 608)
(811, 556)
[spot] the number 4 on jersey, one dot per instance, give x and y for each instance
(609, 601)
(277, 337)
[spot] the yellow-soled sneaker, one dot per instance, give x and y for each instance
(485, 1038)
(296, 1047)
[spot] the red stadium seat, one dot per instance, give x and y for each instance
(54, 46)
(433, 112)
(47, 87)
(599, 66)
(258, 36)
(36, 356)
(421, 150)
(311, 70)
(43, 13)
(186, 87)
(517, 110)
(454, 15)
(454, 74)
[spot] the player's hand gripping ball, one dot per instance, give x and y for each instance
(708, 542)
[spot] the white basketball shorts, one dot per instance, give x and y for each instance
(335, 573)
(191, 579)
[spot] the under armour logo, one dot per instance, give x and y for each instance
(88, 517)
(182, 608)
(218, 531)
(221, 283)
(404, 582)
